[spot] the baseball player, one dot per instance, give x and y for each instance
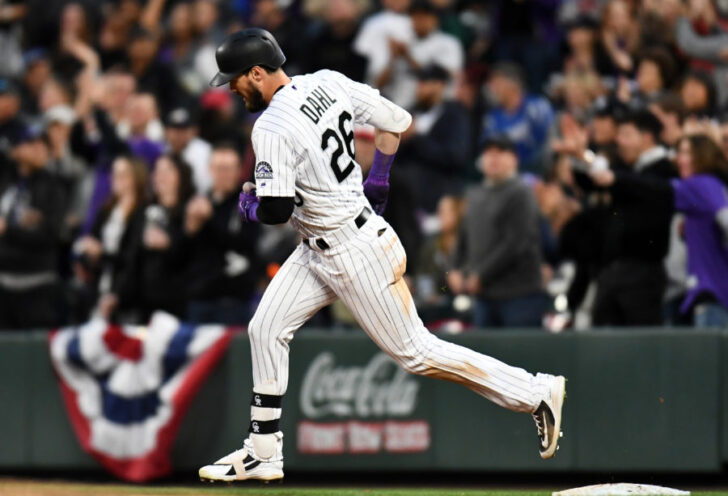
(305, 171)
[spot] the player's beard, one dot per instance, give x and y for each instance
(255, 102)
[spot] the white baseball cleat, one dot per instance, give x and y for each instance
(244, 464)
(548, 416)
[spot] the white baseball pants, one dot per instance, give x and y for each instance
(364, 268)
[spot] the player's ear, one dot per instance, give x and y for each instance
(256, 73)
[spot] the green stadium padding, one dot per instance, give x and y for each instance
(638, 400)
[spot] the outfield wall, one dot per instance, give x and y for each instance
(652, 401)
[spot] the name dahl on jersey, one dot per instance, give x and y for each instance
(319, 103)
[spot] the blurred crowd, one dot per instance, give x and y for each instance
(566, 166)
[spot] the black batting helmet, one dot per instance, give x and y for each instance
(242, 50)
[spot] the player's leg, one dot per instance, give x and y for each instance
(372, 287)
(293, 296)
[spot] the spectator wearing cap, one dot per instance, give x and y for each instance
(631, 286)
(435, 150)
(497, 256)
(31, 209)
(428, 46)
(182, 139)
(524, 119)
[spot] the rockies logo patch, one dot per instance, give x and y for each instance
(263, 170)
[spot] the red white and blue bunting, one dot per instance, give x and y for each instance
(126, 389)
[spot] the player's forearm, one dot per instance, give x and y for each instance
(386, 142)
(389, 120)
(376, 187)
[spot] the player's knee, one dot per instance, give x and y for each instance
(419, 362)
(254, 329)
(263, 332)
(414, 364)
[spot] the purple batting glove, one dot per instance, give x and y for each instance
(248, 206)
(376, 189)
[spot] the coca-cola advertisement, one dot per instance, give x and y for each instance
(364, 408)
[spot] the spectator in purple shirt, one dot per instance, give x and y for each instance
(701, 195)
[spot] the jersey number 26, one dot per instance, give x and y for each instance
(347, 143)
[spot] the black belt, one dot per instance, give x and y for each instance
(363, 217)
(360, 220)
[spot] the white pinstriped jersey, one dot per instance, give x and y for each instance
(304, 147)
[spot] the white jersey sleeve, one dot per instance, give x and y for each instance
(372, 108)
(275, 164)
(364, 99)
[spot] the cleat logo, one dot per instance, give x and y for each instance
(256, 427)
(545, 442)
(258, 402)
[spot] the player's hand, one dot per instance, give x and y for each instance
(472, 284)
(107, 304)
(198, 210)
(603, 178)
(248, 187)
(376, 189)
(248, 203)
(624, 93)
(31, 219)
(91, 247)
(574, 139)
(397, 48)
(456, 281)
(156, 238)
